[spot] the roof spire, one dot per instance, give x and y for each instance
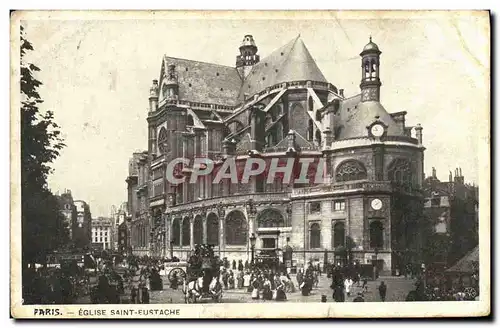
(370, 38)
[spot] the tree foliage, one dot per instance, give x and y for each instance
(43, 226)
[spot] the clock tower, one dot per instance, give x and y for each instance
(370, 79)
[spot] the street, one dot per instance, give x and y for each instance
(397, 289)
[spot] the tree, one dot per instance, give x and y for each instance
(43, 226)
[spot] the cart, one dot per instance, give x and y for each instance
(202, 265)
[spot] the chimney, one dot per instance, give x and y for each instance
(434, 172)
(450, 177)
(341, 92)
(153, 96)
(418, 133)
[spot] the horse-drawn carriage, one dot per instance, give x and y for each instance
(202, 276)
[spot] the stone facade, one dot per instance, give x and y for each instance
(280, 106)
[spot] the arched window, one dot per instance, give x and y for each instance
(198, 230)
(318, 138)
(236, 229)
(212, 229)
(315, 236)
(190, 121)
(295, 115)
(350, 170)
(310, 105)
(339, 234)
(270, 218)
(186, 233)
(376, 235)
(310, 130)
(400, 171)
(162, 141)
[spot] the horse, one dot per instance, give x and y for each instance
(193, 290)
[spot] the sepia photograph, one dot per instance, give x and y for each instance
(250, 164)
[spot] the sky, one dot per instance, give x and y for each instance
(96, 77)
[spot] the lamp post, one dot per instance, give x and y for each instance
(278, 246)
(252, 246)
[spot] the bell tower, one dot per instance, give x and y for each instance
(370, 79)
(247, 57)
(170, 89)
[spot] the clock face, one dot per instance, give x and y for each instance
(376, 204)
(377, 130)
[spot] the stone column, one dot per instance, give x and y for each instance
(221, 234)
(191, 232)
(185, 188)
(205, 237)
(180, 231)
(167, 236)
(221, 212)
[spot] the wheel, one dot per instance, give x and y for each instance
(178, 272)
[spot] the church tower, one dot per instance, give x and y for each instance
(370, 79)
(247, 57)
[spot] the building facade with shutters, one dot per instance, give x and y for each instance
(102, 234)
(369, 204)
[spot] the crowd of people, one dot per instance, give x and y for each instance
(115, 280)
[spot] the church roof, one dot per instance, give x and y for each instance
(468, 263)
(206, 82)
(355, 116)
(291, 62)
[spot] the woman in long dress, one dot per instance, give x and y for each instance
(239, 280)
(280, 291)
(247, 281)
(255, 289)
(267, 294)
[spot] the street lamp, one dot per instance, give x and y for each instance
(252, 246)
(278, 246)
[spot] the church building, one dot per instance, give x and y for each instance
(282, 106)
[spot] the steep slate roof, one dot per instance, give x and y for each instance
(466, 263)
(355, 116)
(291, 62)
(210, 83)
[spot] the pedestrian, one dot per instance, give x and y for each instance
(234, 265)
(347, 286)
(382, 289)
(240, 265)
(230, 280)
(255, 289)
(365, 285)
(300, 277)
(240, 279)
